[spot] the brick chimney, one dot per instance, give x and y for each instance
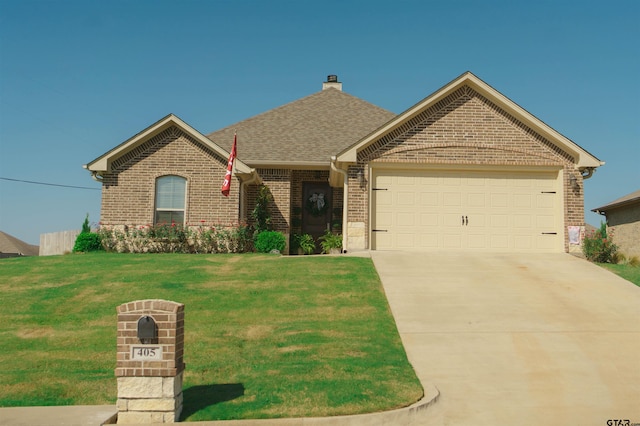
(332, 82)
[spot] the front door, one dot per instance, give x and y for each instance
(316, 209)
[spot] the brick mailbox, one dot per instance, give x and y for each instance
(150, 361)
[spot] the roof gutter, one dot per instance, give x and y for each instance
(345, 202)
(587, 172)
(294, 165)
(94, 173)
(604, 209)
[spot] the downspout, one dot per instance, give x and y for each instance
(243, 184)
(345, 202)
(587, 172)
(96, 176)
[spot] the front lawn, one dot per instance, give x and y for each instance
(628, 272)
(265, 336)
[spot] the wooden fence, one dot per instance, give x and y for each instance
(57, 242)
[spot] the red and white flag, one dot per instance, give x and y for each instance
(226, 184)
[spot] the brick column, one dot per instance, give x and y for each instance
(149, 372)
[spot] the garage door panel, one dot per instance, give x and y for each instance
(453, 180)
(406, 181)
(522, 201)
(384, 181)
(383, 198)
(477, 241)
(545, 201)
(429, 199)
(496, 182)
(476, 200)
(451, 199)
(522, 221)
(545, 222)
(428, 240)
(452, 220)
(523, 242)
(499, 200)
(499, 242)
(477, 220)
(406, 198)
(475, 210)
(546, 242)
(477, 181)
(406, 220)
(451, 241)
(428, 220)
(498, 221)
(405, 240)
(382, 241)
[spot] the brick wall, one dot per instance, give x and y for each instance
(279, 183)
(128, 191)
(169, 318)
(625, 222)
(465, 129)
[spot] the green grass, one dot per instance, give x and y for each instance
(265, 336)
(628, 272)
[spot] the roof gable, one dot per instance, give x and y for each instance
(305, 132)
(104, 162)
(583, 158)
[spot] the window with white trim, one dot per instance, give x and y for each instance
(170, 200)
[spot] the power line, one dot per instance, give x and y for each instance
(50, 184)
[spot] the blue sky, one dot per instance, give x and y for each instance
(79, 77)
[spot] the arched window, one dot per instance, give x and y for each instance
(170, 200)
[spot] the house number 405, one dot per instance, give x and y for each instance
(146, 353)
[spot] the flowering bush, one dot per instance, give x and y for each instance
(598, 247)
(174, 238)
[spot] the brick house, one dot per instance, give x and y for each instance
(623, 214)
(465, 168)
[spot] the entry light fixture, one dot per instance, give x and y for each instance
(361, 178)
(574, 182)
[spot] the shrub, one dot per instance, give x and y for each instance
(330, 241)
(267, 241)
(618, 258)
(598, 247)
(260, 213)
(86, 242)
(304, 242)
(175, 238)
(85, 225)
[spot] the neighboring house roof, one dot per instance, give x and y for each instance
(306, 132)
(584, 160)
(626, 200)
(103, 163)
(11, 245)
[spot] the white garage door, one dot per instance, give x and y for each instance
(475, 210)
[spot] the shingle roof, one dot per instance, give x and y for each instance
(308, 130)
(10, 244)
(627, 199)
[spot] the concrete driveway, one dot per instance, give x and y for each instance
(515, 339)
